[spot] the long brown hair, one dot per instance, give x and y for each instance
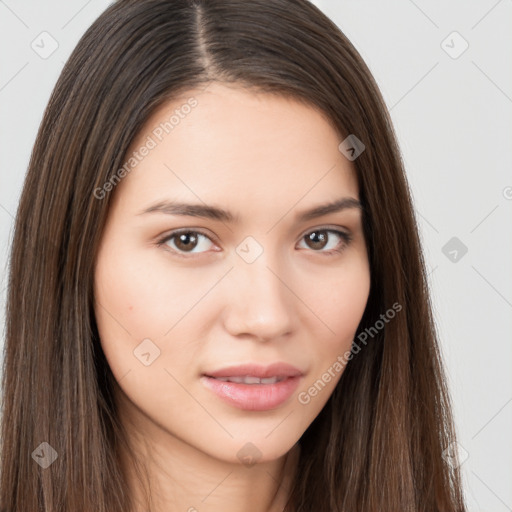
(378, 443)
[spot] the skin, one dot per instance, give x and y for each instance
(264, 158)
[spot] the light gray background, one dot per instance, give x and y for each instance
(454, 124)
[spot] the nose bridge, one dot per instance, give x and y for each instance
(261, 304)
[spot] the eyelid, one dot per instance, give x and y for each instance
(326, 227)
(179, 231)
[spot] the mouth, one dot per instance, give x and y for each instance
(252, 387)
(251, 380)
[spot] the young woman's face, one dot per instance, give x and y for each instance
(185, 294)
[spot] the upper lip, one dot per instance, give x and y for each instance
(256, 370)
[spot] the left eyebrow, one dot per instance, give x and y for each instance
(335, 206)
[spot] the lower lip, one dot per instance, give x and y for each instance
(253, 397)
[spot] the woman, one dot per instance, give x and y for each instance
(257, 371)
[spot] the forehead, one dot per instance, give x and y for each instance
(225, 144)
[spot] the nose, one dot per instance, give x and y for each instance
(260, 303)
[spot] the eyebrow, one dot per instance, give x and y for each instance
(216, 213)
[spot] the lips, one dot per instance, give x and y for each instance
(253, 387)
(273, 370)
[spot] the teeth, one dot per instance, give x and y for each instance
(270, 380)
(249, 379)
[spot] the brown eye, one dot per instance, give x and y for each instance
(319, 239)
(186, 241)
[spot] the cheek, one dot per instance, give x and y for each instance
(135, 307)
(129, 299)
(349, 303)
(341, 301)
(340, 309)
(141, 295)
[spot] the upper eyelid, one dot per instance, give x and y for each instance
(179, 231)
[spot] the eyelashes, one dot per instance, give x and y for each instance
(182, 239)
(319, 233)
